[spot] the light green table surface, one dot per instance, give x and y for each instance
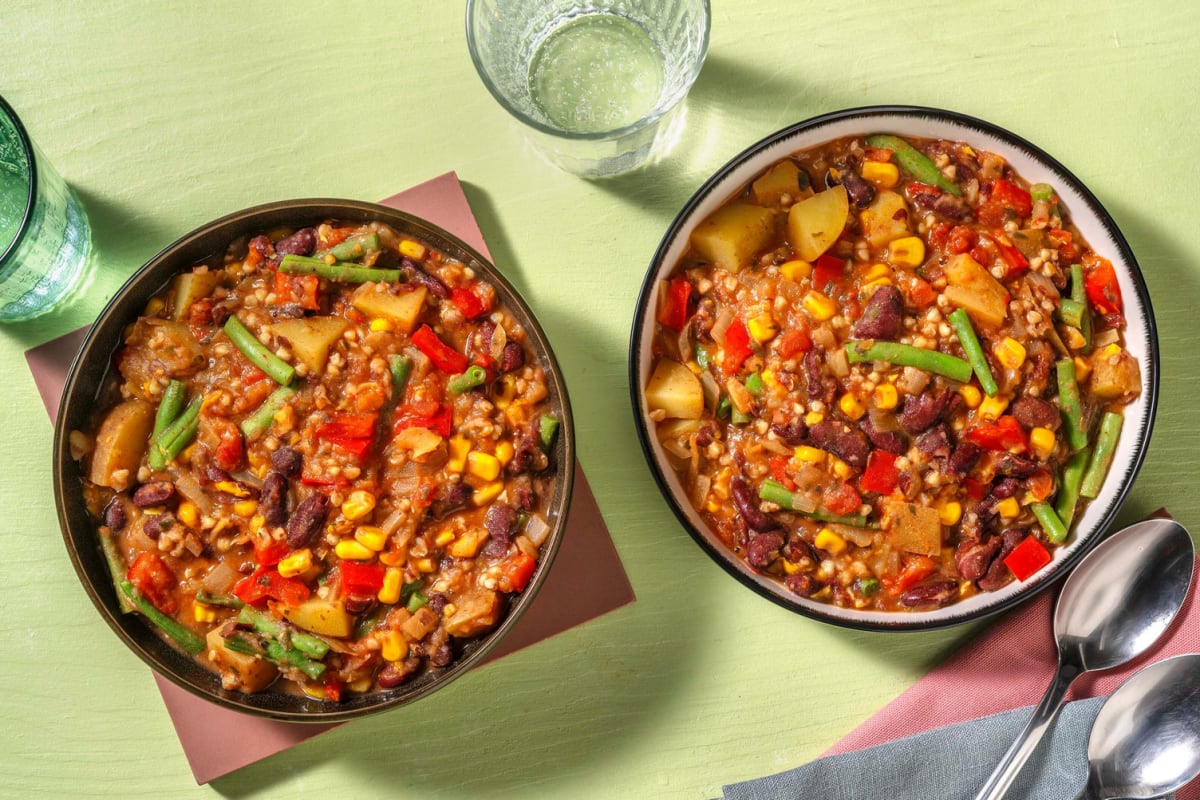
(165, 115)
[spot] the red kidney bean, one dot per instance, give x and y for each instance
(450, 498)
(763, 548)
(431, 282)
(393, 674)
(934, 594)
(803, 584)
(154, 526)
(287, 461)
(272, 501)
(300, 243)
(882, 316)
(848, 444)
(500, 522)
(306, 521)
(923, 411)
(935, 442)
(821, 386)
(889, 441)
(512, 357)
(973, 557)
(791, 432)
(154, 493)
(964, 458)
(1034, 413)
(1014, 466)
(998, 573)
(359, 603)
(747, 506)
(115, 516)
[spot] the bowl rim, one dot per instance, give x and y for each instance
(734, 565)
(102, 340)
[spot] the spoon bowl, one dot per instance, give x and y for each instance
(1145, 741)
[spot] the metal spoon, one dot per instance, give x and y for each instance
(1114, 606)
(1145, 741)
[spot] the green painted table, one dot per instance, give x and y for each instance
(166, 115)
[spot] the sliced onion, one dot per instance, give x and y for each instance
(406, 481)
(824, 337)
(537, 529)
(860, 536)
(913, 380)
(701, 485)
(249, 478)
(685, 342)
(190, 488)
(219, 579)
(836, 361)
(712, 392)
(724, 320)
(777, 447)
(677, 449)
(499, 340)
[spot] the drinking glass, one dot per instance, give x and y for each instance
(598, 83)
(44, 233)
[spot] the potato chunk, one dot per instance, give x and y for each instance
(1115, 373)
(121, 442)
(816, 223)
(732, 236)
(475, 612)
(310, 338)
(972, 287)
(885, 220)
(781, 180)
(675, 389)
(321, 616)
(402, 310)
(190, 287)
(917, 529)
(239, 671)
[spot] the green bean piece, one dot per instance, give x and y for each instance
(1068, 485)
(1071, 312)
(169, 407)
(724, 407)
(473, 378)
(869, 587)
(401, 368)
(222, 600)
(370, 620)
(1079, 295)
(1056, 530)
(408, 589)
(175, 436)
(702, 357)
(116, 568)
(739, 417)
(905, 355)
(1078, 287)
(304, 642)
(260, 421)
(268, 648)
(415, 602)
(185, 638)
(970, 345)
(280, 371)
(342, 273)
(1042, 191)
(354, 247)
(775, 492)
(754, 385)
(1102, 454)
(914, 162)
(547, 430)
(1072, 405)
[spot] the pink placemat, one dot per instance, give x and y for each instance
(1007, 666)
(587, 579)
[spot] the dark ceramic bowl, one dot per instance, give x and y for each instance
(1033, 164)
(89, 372)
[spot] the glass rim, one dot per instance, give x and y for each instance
(595, 136)
(31, 161)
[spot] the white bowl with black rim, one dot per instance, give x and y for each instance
(1031, 163)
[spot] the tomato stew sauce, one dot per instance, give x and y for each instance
(889, 372)
(324, 461)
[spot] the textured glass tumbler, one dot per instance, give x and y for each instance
(598, 83)
(44, 234)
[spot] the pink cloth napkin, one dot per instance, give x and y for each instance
(587, 579)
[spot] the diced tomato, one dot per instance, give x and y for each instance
(470, 302)
(361, 579)
(518, 570)
(299, 289)
(331, 236)
(841, 499)
(443, 356)
(1027, 558)
(881, 474)
(333, 688)
(1100, 282)
(266, 583)
(355, 316)
(309, 479)
(230, 448)
(737, 346)
(827, 269)
(982, 254)
(939, 235)
(151, 576)
(349, 426)
(674, 313)
(793, 342)
(920, 293)
(914, 568)
(976, 489)
(268, 551)
(1013, 196)
(440, 421)
(1041, 484)
(1068, 252)
(1014, 260)
(877, 154)
(916, 189)
(961, 239)
(1003, 434)
(778, 465)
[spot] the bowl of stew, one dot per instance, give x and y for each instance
(894, 368)
(314, 460)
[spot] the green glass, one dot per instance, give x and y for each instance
(44, 234)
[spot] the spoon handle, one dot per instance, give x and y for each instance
(1020, 750)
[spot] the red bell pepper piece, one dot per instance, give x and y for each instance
(151, 576)
(737, 346)
(308, 479)
(1014, 260)
(443, 356)
(1101, 285)
(299, 289)
(881, 474)
(778, 465)
(827, 269)
(1013, 196)
(361, 579)
(266, 583)
(518, 570)
(470, 303)
(440, 421)
(1003, 434)
(794, 342)
(349, 425)
(1027, 558)
(674, 313)
(913, 569)
(333, 688)
(268, 551)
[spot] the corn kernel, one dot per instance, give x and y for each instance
(487, 493)
(352, 550)
(371, 537)
(467, 545)
(763, 327)
(393, 646)
(202, 612)
(769, 379)
(906, 252)
(389, 593)
(950, 512)
(795, 270)
(448, 610)
(813, 417)
(878, 275)
(154, 306)
(257, 522)
(810, 454)
(505, 393)
(1010, 353)
(414, 250)
(425, 565)
(790, 568)
(830, 542)
(970, 394)
(296, 563)
(188, 513)
(380, 324)
(1008, 508)
(992, 407)
(458, 448)
(851, 406)
(886, 396)
(841, 469)
(444, 538)
(484, 466)
(231, 488)
(392, 558)
(358, 504)
(1111, 350)
(210, 398)
(1042, 440)
(1083, 368)
(883, 174)
(818, 306)
(504, 451)
(245, 508)
(713, 506)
